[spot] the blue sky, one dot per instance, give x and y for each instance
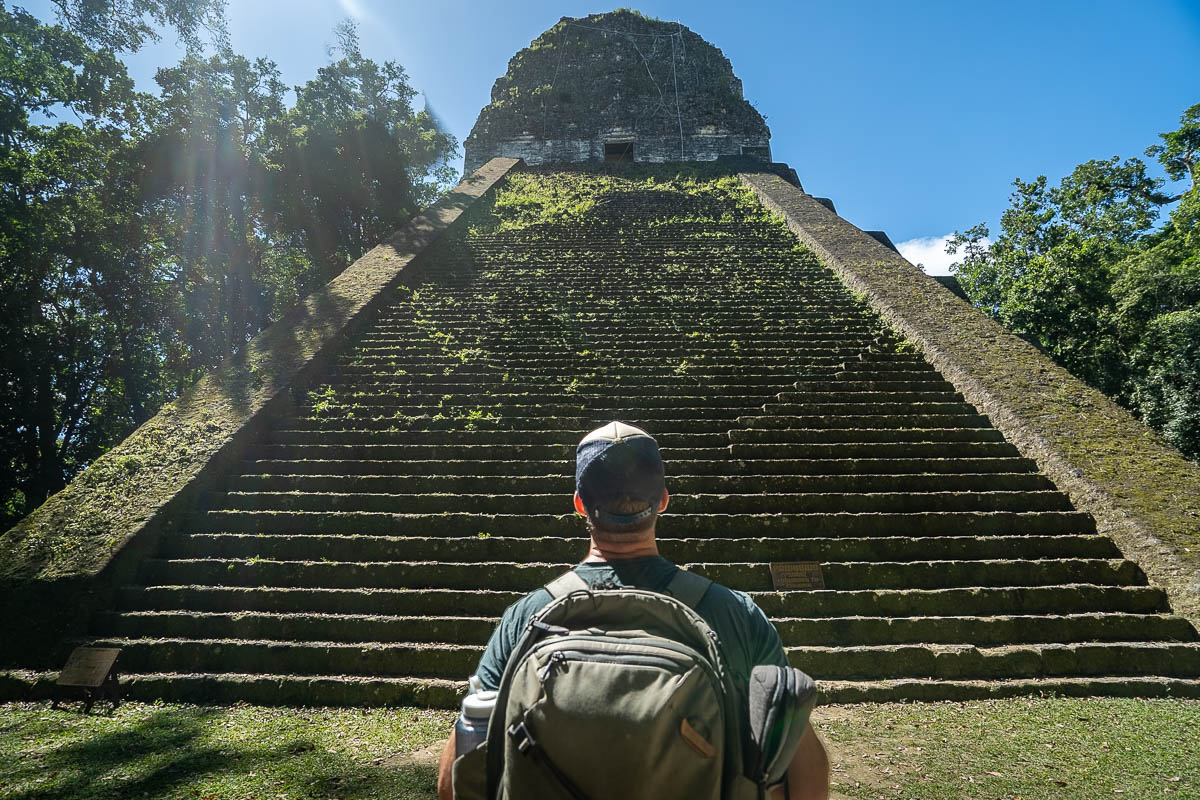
(914, 117)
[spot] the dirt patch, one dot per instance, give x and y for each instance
(868, 766)
(424, 757)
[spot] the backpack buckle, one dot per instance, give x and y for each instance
(523, 739)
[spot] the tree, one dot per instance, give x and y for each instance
(354, 159)
(144, 239)
(1082, 271)
(72, 258)
(205, 175)
(128, 24)
(1047, 276)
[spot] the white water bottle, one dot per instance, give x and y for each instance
(471, 728)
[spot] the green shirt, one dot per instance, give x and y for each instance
(747, 637)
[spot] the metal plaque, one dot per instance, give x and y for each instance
(88, 666)
(796, 575)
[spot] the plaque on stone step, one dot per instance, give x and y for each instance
(796, 575)
(88, 666)
(90, 674)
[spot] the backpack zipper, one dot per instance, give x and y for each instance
(557, 657)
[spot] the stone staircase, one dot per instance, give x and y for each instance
(368, 545)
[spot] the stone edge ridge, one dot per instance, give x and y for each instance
(1141, 491)
(150, 479)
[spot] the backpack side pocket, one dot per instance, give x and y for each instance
(781, 700)
(470, 774)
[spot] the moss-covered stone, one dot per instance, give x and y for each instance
(1141, 491)
(620, 76)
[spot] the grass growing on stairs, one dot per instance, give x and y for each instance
(1028, 748)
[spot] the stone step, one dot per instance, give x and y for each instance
(706, 468)
(981, 601)
(477, 438)
(672, 434)
(632, 356)
(920, 449)
(449, 661)
(823, 631)
(615, 338)
(853, 401)
(465, 421)
(632, 364)
(782, 419)
(924, 523)
(413, 348)
(878, 373)
(462, 381)
(746, 325)
(355, 690)
(865, 434)
(780, 502)
(470, 452)
(317, 547)
(967, 662)
(563, 452)
(513, 576)
(678, 484)
(825, 385)
(515, 402)
(751, 393)
(727, 368)
(781, 415)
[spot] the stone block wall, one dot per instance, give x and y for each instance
(646, 149)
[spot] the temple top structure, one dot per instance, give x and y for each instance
(619, 86)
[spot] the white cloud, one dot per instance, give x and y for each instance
(930, 251)
(353, 9)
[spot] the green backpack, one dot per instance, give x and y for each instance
(624, 693)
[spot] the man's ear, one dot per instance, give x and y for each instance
(666, 501)
(579, 509)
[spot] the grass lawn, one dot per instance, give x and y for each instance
(998, 750)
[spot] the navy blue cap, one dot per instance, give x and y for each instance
(617, 462)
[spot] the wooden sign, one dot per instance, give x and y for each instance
(796, 575)
(89, 675)
(88, 666)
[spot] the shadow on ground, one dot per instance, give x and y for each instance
(216, 753)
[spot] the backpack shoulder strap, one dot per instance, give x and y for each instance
(688, 588)
(566, 583)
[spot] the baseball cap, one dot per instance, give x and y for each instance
(615, 463)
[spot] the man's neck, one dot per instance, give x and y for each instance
(613, 551)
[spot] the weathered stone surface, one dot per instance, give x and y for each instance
(615, 79)
(1141, 491)
(125, 493)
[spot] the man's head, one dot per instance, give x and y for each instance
(619, 481)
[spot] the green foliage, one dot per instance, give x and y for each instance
(128, 24)
(1082, 271)
(145, 239)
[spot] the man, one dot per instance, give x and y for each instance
(620, 489)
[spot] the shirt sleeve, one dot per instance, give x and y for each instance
(768, 647)
(505, 637)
